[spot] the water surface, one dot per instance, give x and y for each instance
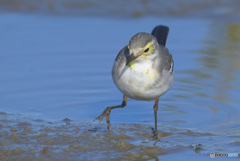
(56, 67)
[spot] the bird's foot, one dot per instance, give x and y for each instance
(105, 114)
(155, 134)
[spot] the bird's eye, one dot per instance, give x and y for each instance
(146, 50)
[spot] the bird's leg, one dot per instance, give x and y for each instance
(107, 111)
(155, 107)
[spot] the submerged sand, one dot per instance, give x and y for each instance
(39, 140)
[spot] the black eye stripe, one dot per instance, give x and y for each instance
(146, 50)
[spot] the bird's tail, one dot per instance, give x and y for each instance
(161, 33)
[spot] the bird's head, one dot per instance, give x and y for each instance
(141, 46)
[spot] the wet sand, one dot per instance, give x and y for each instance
(55, 78)
(40, 140)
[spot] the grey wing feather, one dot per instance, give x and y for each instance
(161, 33)
(166, 59)
(120, 62)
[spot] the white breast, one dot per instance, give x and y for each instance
(141, 82)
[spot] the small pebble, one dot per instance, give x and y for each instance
(44, 150)
(17, 151)
(13, 129)
(27, 128)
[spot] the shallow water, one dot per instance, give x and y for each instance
(56, 67)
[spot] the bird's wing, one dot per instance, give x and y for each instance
(161, 33)
(120, 62)
(166, 59)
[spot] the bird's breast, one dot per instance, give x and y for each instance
(136, 80)
(139, 74)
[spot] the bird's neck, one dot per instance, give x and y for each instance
(143, 62)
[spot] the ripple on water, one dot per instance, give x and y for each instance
(65, 77)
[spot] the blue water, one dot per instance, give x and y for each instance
(53, 67)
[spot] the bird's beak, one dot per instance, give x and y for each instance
(132, 57)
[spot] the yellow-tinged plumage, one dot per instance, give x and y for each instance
(151, 74)
(143, 70)
(147, 71)
(132, 65)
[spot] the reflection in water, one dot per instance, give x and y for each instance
(221, 58)
(60, 74)
(218, 75)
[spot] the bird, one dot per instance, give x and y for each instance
(143, 70)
